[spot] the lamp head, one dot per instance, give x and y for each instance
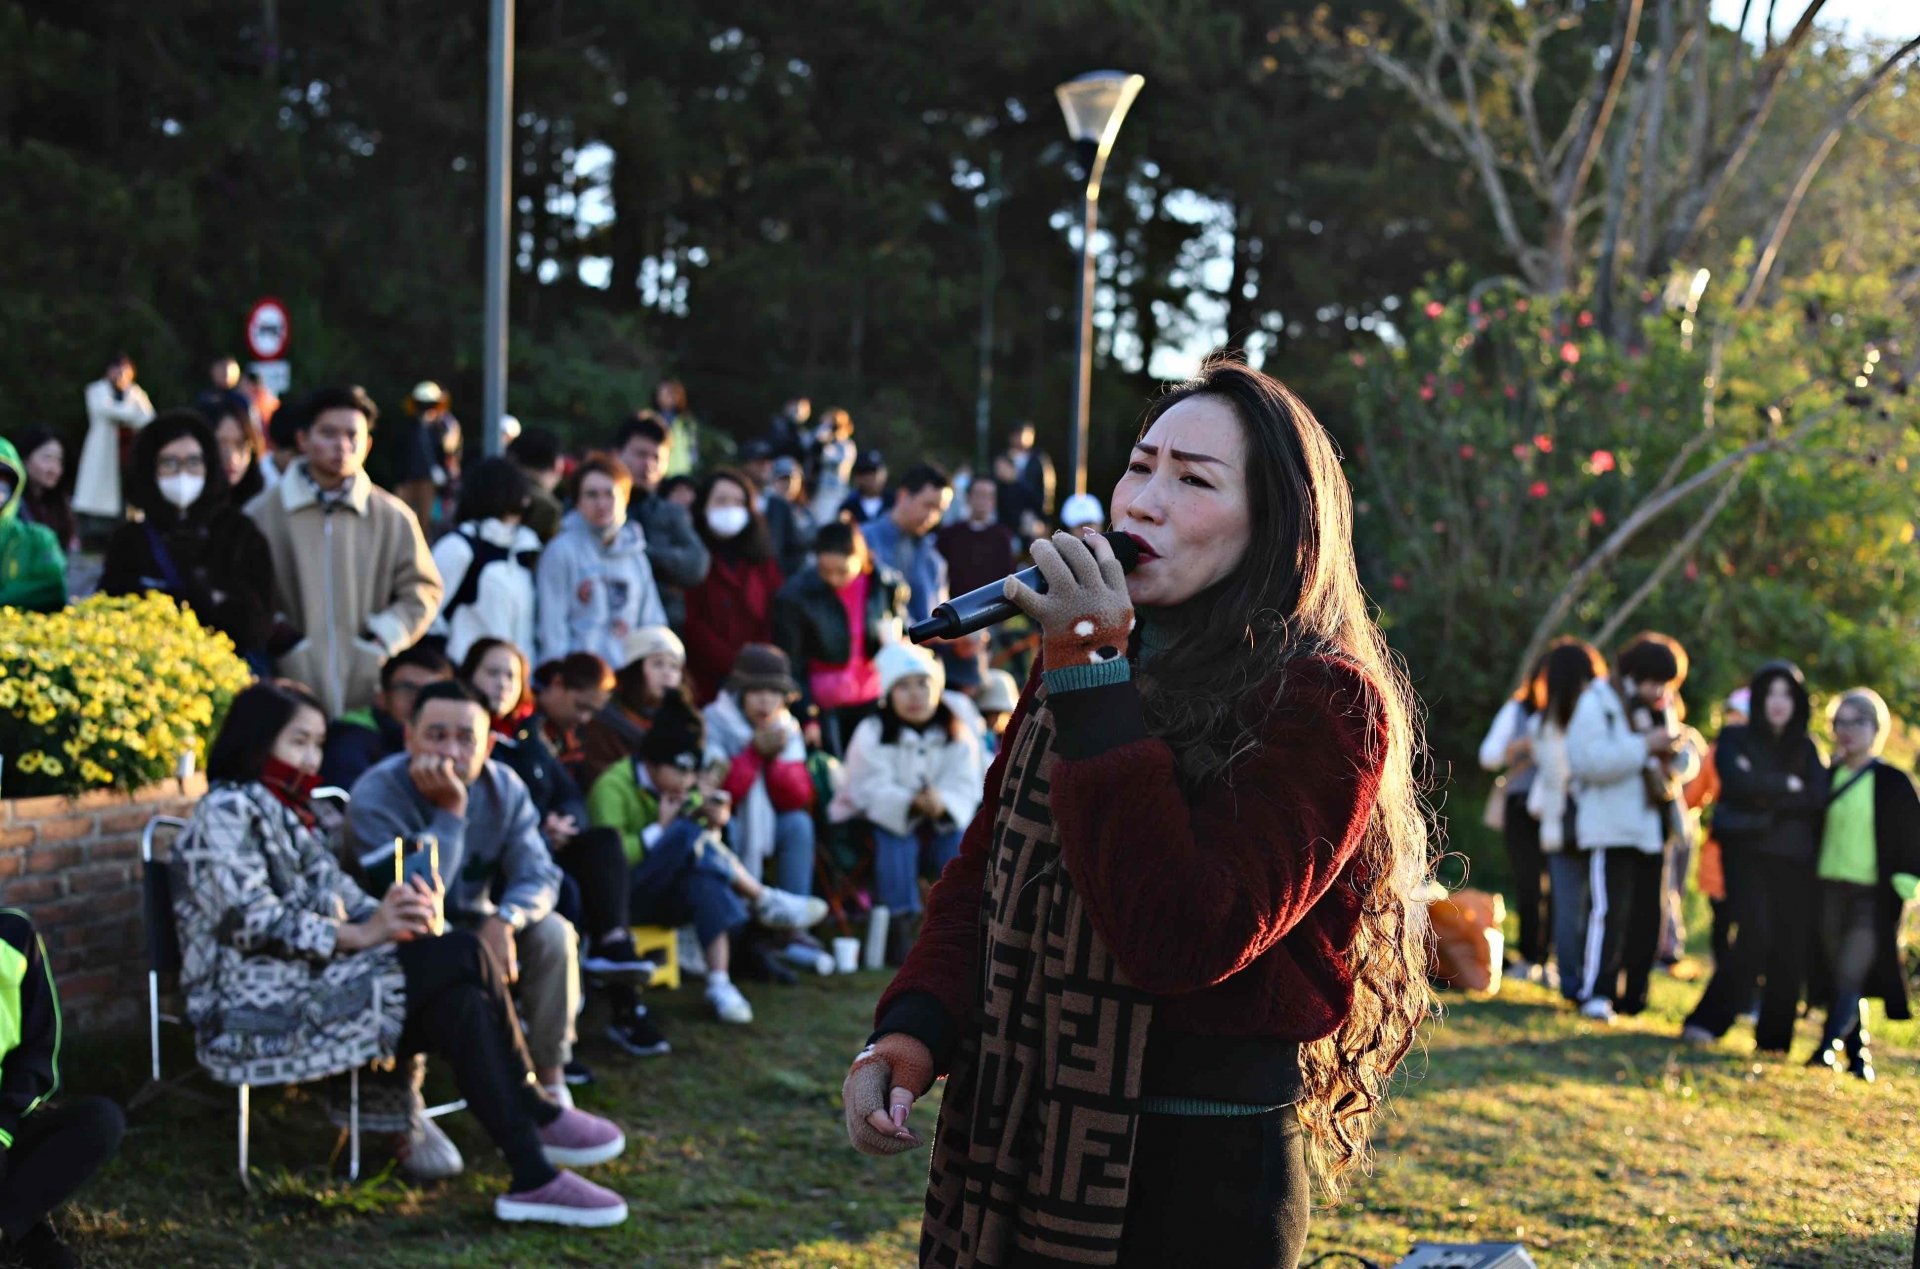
(1095, 104)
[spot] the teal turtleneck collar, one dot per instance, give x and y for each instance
(1156, 633)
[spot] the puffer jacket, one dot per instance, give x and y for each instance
(258, 899)
(593, 592)
(889, 762)
(1606, 759)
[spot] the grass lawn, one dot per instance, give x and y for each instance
(1597, 1147)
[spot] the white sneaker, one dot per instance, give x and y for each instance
(426, 1153)
(1599, 1009)
(728, 1004)
(779, 910)
(559, 1094)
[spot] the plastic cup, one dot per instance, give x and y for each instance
(846, 955)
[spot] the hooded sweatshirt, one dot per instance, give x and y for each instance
(593, 591)
(1754, 764)
(33, 568)
(209, 557)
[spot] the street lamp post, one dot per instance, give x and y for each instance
(499, 224)
(1095, 104)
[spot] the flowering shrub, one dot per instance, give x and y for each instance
(108, 694)
(1499, 440)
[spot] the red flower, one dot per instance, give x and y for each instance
(1522, 450)
(1358, 359)
(1586, 318)
(1466, 451)
(1439, 526)
(1435, 308)
(1500, 314)
(1538, 489)
(1426, 392)
(1598, 516)
(1692, 571)
(1459, 389)
(1569, 353)
(1510, 390)
(1519, 306)
(1473, 306)
(1602, 461)
(1397, 582)
(1623, 387)
(1543, 443)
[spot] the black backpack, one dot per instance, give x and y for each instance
(484, 553)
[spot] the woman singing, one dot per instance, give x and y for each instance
(1179, 930)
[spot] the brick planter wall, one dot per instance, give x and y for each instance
(73, 864)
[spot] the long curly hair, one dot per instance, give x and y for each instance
(1297, 594)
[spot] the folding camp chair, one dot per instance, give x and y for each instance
(163, 957)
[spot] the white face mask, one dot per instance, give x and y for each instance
(182, 490)
(727, 522)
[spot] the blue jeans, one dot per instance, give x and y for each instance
(793, 851)
(677, 883)
(900, 858)
(1569, 873)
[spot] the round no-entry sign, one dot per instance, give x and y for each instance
(268, 331)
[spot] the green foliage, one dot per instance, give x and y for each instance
(1502, 442)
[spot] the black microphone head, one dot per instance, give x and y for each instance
(1125, 549)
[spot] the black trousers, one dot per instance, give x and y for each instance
(597, 860)
(53, 1154)
(1772, 902)
(1630, 918)
(459, 1009)
(1228, 1192)
(1531, 895)
(1848, 927)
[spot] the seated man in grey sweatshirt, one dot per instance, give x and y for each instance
(490, 845)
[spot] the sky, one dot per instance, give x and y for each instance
(1859, 17)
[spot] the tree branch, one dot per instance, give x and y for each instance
(1810, 168)
(1679, 551)
(1694, 208)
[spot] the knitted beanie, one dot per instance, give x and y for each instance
(899, 660)
(761, 667)
(678, 737)
(647, 640)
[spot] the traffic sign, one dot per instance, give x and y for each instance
(276, 376)
(268, 331)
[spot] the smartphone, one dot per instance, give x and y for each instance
(406, 847)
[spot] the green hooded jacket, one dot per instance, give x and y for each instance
(33, 568)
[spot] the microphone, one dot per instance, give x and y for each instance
(988, 605)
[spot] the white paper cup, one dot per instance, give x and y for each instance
(846, 955)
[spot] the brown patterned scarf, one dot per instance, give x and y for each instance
(1034, 1147)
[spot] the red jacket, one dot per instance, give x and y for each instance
(1238, 911)
(789, 784)
(730, 609)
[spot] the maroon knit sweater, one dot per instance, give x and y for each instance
(1237, 911)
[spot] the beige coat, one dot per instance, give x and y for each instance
(359, 582)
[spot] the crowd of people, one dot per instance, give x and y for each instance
(1807, 862)
(507, 708)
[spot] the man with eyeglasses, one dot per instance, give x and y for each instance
(501, 881)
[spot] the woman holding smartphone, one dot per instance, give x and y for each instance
(291, 972)
(1179, 953)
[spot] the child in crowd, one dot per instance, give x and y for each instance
(914, 772)
(754, 739)
(681, 873)
(999, 695)
(655, 668)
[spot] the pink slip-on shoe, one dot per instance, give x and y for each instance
(568, 1199)
(577, 1140)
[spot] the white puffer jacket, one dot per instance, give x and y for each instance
(1604, 760)
(882, 779)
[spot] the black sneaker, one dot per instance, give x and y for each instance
(637, 1035)
(577, 1073)
(616, 959)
